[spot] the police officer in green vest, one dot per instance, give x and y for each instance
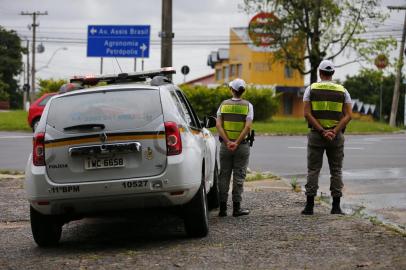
(327, 109)
(234, 121)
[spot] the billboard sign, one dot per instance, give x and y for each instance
(118, 41)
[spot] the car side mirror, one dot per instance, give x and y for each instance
(209, 121)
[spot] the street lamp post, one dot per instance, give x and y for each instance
(52, 57)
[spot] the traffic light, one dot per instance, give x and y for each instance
(26, 87)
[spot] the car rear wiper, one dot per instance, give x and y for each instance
(85, 126)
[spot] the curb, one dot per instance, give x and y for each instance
(11, 176)
(267, 185)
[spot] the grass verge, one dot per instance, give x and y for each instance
(14, 121)
(298, 126)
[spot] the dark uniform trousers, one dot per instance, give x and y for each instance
(316, 146)
(233, 163)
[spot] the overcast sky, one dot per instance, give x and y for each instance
(194, 21)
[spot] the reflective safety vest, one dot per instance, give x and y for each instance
(234, 114)
(327, 100)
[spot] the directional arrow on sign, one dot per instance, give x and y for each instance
(93, 31)
(143, 47)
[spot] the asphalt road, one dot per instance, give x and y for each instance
(374, 166)
(286, 155)
(282, 155)
(15, 148)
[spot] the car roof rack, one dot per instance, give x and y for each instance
(122, 77)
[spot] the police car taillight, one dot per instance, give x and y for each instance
(173, 139)
(38, 151)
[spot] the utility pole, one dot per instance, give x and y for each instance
(396, 91)
(34, 26)
(166, 34)
(27, 83)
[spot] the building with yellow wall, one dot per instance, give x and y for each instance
(256, 65)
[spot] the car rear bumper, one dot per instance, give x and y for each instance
(174, 187)
(108, 204)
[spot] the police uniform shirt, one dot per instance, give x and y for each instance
(250, 115)
(306, 95)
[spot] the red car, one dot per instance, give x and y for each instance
(35, 111)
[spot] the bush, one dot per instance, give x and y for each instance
(206, 101)
(264, 101)
(49, 86)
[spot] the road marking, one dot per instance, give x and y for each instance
(16, 137)
(372, 139)
(362, 143)
(347, 148)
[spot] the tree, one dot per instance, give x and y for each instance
(313, 30)
(365, 86)
(4, 96)
(10, 64)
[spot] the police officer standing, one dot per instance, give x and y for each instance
(234, 121)
(327, 109)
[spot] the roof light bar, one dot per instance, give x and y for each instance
(122, 77)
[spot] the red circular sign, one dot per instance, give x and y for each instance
(381, 61)
(259, 29)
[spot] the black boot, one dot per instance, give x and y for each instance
(336, 207)
(223, 209)
(238, 211)
(309, 206)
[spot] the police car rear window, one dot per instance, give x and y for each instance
(116, 109)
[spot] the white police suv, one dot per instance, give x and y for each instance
(134, 143)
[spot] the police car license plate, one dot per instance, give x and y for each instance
(101, 163)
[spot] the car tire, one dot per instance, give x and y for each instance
(197, 215)
(213, 195)
(35, 124)
(46, 229)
